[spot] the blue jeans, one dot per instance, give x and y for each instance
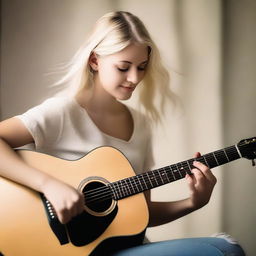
(205, 246)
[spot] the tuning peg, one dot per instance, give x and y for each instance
(253, 162)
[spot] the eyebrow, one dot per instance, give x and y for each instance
(125, 61)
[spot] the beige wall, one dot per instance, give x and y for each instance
(216, 83)
(239, 109)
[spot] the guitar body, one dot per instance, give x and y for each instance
(24, 227)
(116, 213)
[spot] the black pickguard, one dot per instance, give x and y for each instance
(85, 228)
(82, 229)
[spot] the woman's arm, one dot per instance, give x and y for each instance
(201, 185)
(67, 201)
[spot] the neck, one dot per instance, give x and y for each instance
(151, 179)
(97, 100)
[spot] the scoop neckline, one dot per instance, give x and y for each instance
(84, 111)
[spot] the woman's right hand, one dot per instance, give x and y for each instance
(66, 200)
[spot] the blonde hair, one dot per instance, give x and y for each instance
(113, 32)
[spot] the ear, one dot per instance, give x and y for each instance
(93, 61)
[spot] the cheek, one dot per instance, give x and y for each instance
(142, 75)
(110, 75)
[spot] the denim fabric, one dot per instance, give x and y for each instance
(205, 246)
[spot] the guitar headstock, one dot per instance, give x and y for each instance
(247, 148)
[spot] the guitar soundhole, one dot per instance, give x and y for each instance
(98, 198)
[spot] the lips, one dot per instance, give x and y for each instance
(128, 88)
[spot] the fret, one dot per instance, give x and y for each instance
(154, 176)
(143, 178)
(165, 171)
(175, 172)
(119, 193)
(178, 170)
(216, 159)
(232, 153)
(181, 168)
(154, 179)
(183, 172)
(185, 169)
(170, 174)
(131, 185)
(226, 155)
(189, 165)
(167, 176)
(185, 165)
(113, 189)
(127, 187)
(211, 160)
(120, 186)
(221, 157)
(149, 180)
(190, 162)
(202, 160)
(146, 177)
(139, 183)
(206, 161)
(160, 175)
(123, 188)
(136, 183)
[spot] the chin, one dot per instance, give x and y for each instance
(123, 97)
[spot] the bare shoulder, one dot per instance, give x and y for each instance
(14, 132)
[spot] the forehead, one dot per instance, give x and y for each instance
(134, 53)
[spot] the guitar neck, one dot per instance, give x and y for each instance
(155, 178)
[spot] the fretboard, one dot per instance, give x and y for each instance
(152, 179)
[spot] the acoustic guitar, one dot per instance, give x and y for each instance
(115, 211)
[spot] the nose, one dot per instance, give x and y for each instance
(133, 76)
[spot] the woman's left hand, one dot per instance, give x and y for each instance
(201, 184)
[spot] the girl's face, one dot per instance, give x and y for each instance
(119, 74)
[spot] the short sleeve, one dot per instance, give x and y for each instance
(44, 122)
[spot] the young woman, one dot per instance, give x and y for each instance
(118, 59)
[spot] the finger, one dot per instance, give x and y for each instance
(63, 216)
(197, 154)
(198, 175)
(80, 204)
(190, 181)
(202, 167)
(205, 170)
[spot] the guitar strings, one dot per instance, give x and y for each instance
(101, 191)
(106, 192)
(124, 185)
(185, 163)
(122, 189)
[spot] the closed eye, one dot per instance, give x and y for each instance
(126, 69)
(123, 69)
(142, 68)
